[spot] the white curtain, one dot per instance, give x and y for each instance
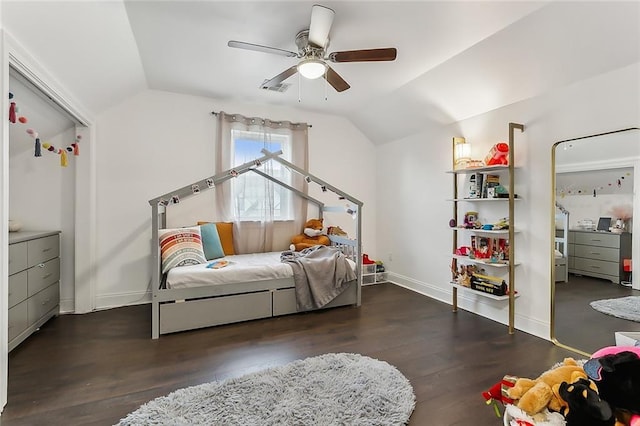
(263, 233)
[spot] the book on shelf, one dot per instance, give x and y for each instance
(475, 185)
(490, 181)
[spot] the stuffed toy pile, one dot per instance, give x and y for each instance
(602, 391)
(312, 236)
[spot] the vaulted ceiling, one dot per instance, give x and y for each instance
(455, 59)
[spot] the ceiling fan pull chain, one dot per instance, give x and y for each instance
(299, 88)
(326, 96)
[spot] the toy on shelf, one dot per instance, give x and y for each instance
(471, 220)
(498, 155)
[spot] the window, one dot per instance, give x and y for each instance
(254, 196)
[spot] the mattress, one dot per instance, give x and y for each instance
(242, 268)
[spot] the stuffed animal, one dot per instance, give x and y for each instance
(534, 396)
(584, 405)
(311, 236)
(616, 372)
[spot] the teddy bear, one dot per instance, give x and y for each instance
(534, 395)
(311, 236)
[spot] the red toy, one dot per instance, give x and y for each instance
(498, 393)
(498, 155)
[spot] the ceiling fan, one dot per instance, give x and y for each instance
(312, 52)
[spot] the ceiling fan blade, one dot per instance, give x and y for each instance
(280, 77)
(260, 48)
(366, 55)
(321, 21)
(335, 80)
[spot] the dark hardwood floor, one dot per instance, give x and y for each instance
(573, 312)
(93, 369)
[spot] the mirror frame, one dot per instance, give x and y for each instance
(552, 235)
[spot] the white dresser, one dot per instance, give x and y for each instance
(34, 288)
(599, 254)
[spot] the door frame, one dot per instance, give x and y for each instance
(13, 55)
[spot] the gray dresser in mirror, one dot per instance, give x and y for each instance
(599, 254)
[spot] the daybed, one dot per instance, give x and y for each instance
(181, 300)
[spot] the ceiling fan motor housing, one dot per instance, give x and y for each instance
(308, 50)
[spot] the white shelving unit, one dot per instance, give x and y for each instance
(370, 276)
(507, 267)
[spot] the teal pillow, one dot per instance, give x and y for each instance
(211, 241)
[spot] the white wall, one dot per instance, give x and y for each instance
(42, 197)
(156, 142)
(412, 186)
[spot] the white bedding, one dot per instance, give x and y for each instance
(242, 268)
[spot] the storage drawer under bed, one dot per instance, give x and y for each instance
(192, 314)
(284, 300)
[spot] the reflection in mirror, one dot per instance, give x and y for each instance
(593, 292)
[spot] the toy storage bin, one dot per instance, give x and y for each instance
(369, 273)
(627, 338)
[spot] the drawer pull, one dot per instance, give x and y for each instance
(47, 276)
(41, 265)
(595, 252)
(46, 250)
(595, 267)
(46, 302)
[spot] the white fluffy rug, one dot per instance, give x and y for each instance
(623, 307)
(331, 389)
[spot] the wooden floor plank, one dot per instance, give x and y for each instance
(95, 368)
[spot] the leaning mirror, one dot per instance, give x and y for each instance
(593, 293)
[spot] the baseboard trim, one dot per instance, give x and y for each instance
(494, 310)
(122, 299)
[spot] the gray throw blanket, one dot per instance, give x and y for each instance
(320, 274)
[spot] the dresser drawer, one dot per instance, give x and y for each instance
(43, 275)
(17, 257)
(597, 266)
(42, 249)
(18, 320)
(17, 288)
(43, 302)
(599, 253)
(600, 239)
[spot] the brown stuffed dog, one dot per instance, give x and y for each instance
(534, 395)
(312, 236)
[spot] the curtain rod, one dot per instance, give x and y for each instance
(215, 113)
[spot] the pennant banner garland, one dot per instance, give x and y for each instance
(575, 190)
(74, 147)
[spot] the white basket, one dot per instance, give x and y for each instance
(627, 338)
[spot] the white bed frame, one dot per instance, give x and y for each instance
(182, 309)
(562, 245)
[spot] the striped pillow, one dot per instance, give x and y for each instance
(180, 247)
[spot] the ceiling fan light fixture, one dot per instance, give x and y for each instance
(312, 68)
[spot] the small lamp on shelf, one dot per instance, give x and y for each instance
(461, 153)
